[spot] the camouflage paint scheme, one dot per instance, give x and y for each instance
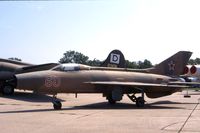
(88, 80)
(113, 83)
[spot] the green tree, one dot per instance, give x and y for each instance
(145, 64)
(94, 62)
(139, 65)
(15, 59)
(132, 65)
(74, 57)
(197, 60)
(194, 61)
(191, 62)
(77, 57)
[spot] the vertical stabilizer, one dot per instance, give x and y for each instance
(173, 66)
(114, 59)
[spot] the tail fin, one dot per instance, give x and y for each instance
(114, 59)
(173, 66)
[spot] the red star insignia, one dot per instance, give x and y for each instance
(171, 66)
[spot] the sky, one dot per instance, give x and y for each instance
(41, 31)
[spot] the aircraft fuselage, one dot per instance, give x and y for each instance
(78, 81)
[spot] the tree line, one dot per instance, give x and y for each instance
(77, 57)
(194, 61)
(72, 56)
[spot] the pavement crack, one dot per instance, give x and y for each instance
(189, 117)
(86, 115)
(164, 128)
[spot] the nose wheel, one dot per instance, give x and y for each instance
(57, 105)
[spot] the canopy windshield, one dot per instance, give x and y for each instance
(71, 67)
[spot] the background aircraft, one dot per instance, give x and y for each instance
(192, 70)
(113, 83)
(192, 74)
(8, 68)
(16, 67)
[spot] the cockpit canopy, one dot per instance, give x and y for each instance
(71, 67)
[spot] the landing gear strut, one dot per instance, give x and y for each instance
(139, 100)
(57, 105)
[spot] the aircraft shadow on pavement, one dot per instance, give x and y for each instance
(118, 106)
(170, 102)
(30, 97)
(99, 106)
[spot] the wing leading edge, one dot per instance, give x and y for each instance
(135, 84)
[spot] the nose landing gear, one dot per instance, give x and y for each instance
(57, 105)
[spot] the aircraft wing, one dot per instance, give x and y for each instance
(135, 84)
(189, 84)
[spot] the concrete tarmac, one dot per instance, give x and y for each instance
(26, 112)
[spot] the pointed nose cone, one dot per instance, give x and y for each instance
(29, 81)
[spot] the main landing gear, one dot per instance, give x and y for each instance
(57, 105)
(115, 95)
(110, 99)
(139, 100)
(7, 86)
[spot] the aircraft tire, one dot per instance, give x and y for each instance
(8, 90)
(140, 102)
(111, 101)
(57, 105)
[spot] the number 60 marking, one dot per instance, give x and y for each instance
(52, 81)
